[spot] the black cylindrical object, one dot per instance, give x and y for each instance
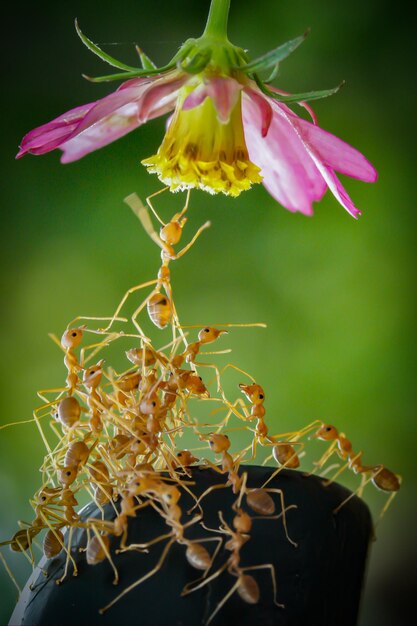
(319, 581)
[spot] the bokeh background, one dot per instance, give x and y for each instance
(336, 294)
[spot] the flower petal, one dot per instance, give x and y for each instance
(265, 109)
(51, 135)
(223, 91)
(158, 93)
(89, 127)
(335, 153)
(106, 130)
(290, 174)
(329, 153)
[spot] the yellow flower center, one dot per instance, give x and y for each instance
(198, 151)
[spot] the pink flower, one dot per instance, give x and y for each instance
(228, 130)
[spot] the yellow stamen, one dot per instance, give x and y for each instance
(198, 151)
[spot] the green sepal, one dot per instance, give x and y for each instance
(272, 75)
(147, 64)
(126, 75)
(99, 52)
(197, 62)
(308, 96)
(270, 59)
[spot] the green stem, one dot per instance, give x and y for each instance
(217, 20)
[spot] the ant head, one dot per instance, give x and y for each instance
(209, 334)
(326, 432)
(72, 337)
(171, 232)
(170, 494)
(254, 393)
(150, 404)
(242, 522)
(195, 385)
(44, 495)
(67, 475)
(185, 457)
(93, 374)
(218, 443)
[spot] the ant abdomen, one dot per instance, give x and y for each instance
(386, 480)
(77, 454)
(95, 549)
(260, 501)
(248, 589)
(159, 310)
(52, 543)
(197, 556)
(69, 411)
(99, 471)
(284, 454)
(22, 539)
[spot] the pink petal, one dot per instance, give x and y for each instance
(336, 153)
(289, 172)
(196, 97)
(264, 107)
(51, 135)
(339, 155)
(92, 126)
(106, 130)
(223, 91)
(164, 89)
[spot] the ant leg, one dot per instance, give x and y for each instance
(216, 370)
(10, 573)
(152, 208)
(283, 512)
(187, 588)
(324, 458)
(141, 212)
(193, 240)
(274, 582)
(97, 347)
(142, 306)
(212, 558)
(123, 300)
(107, 553)
(69, 557)
(284, 465)
(186, 205)
(143, 546)
(89, 319)
(234, 367)
(350, 496)
(205, 493)
(386, 506)
(142, 579)
(223, 601)
(231, 325)
(297, 434)
(232, 409)
(341, 469)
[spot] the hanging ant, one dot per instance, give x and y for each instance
(160, 306)
(70, 340)
(91, 380)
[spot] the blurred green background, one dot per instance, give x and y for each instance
(336, 294)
